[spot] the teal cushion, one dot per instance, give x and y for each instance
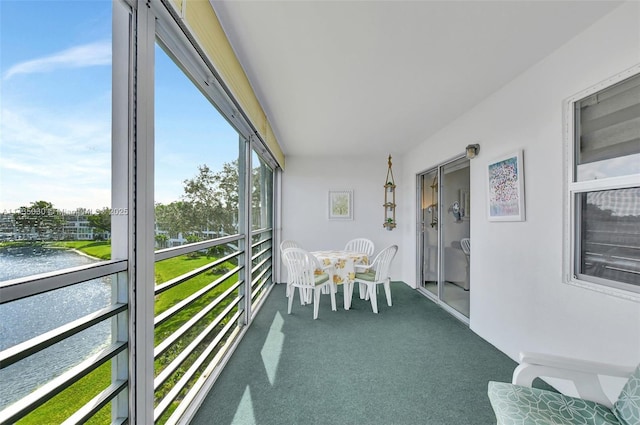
(321, 278)
(627, 408)
(517, 405)
(370, 276)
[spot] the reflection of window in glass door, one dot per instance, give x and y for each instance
(444, 223)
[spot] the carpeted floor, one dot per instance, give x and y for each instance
(410, 364)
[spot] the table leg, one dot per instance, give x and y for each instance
(347, 290)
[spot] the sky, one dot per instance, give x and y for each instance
(55, 110)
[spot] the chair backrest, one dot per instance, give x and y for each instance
(289, 244)
(300, 267)
(465, 243)
(382, 263)
(360, 245)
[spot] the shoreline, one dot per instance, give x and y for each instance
(77, 251)
(47, 245)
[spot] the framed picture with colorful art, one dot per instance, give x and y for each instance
(505, 178)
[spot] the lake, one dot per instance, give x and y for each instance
(24, 319)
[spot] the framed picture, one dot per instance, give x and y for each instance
(505, 177)
(340, 205)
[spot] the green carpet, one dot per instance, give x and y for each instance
(412, 363)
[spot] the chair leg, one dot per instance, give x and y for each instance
(332, 292)
(316, 302)
(309, 293)
(348, 295)
(387, 291)
(292, 294)
(303, 295)
(363, 291)
(374, 298)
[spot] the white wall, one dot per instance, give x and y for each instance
(306, 182)
(518, 298)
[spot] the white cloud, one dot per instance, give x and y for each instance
(65, 160)
(92, 54)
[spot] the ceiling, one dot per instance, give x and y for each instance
(373, 77)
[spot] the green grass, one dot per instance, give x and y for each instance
(59, 408)
(174, 267)
(73, 398)
(97, 249)
(166, 270)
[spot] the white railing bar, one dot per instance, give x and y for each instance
(263, 230)
(27, 404)
(183, 278)
(255, 293)
(168, 313)
(260, 242)
(191, 402)
(258, 254)
(265, 273)
(261, 264)
(179, 386)
(95, 404)
(15, 289)
(262, 270)
(171, 339)
(47, 339)
(193, 345)
(263, 291)
(257, 290)
(176, 251)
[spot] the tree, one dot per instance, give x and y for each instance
(209, 204)
(40, 218)
(175, 218)
(101, 220)
(214, 198)
(161, 240)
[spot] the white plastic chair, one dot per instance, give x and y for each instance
(302, 275)
(372, 275)
(284, 245)
(465, 243)
(519, 403)
(361, 245)
(584, 374)
(289, 244)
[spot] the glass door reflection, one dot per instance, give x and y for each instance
(444, 223)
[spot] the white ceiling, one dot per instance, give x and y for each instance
(373, 77)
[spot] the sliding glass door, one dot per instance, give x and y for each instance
(443, 237)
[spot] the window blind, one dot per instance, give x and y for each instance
(609, 122)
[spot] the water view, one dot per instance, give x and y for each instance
(30, 317)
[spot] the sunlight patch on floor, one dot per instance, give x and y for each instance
(244, 414)
(272, 348)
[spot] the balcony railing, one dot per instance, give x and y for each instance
(200, 309)
(55, 389)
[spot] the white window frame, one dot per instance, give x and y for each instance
(573, 187)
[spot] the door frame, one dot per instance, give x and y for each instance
(420, 243)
